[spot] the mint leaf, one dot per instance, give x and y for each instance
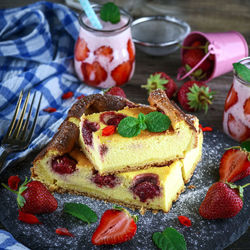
(110, 12)
(245, 145)
(157, 122)
(141, 120)
(129, 127)
(81, 211)
(170, 238)
(242, 71)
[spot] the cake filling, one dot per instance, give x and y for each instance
(64, 164)
(87, 129)
(105, 181)
(111, 118)
(146, 186)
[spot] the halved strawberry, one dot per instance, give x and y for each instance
(116, 226)
(232, 98)
(93, 73)
(237, 129)
(121, 73)
(81, 50)
(247, 107)
(234, 165)
(131, 51)
(105, 51)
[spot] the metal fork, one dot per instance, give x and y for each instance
(18, 136)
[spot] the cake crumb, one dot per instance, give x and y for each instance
(191, 187)
(142, 210)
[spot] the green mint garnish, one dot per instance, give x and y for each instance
(110, 13)
(157, 122)
(81, 211)
(242, 71)
(153, 122)
(170, 238)
(246, 145)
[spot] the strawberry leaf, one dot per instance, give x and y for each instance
(242, 71)
(155, 81)
(110, 13)
(81, 211)
(170, 238)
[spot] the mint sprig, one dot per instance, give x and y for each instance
(81, 211)
(242, 71)
(170, 238)
(110, 13)
(153, 122)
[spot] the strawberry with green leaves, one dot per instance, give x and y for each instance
(235, 163)
(161, 80)
(195, 96)
(223, 200)
(117, 91)
(116, 226)
(34, 198)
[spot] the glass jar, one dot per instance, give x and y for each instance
(236, 119)
(105, 58)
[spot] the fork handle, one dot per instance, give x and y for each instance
(3, 154)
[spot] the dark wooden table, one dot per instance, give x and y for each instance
(206, 16)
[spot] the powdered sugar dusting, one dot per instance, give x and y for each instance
(203, 234)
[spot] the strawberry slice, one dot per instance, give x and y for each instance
(105, 51)
(247, 107)
(234, 165)
(121, 73)
(237, 129)
(232, 98)
(130, 49)
(93, 73)
(81, 50)
(116, 226)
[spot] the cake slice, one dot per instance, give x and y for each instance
(153, 188)
(115, 153)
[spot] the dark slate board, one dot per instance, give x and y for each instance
(203, 234)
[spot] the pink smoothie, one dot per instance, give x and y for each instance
(236, 119)
(110, 54)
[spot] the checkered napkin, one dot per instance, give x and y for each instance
(36, 53)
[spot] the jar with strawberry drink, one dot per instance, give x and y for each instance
(105, 57)
(236, 119)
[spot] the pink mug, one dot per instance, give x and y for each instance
(227, 48)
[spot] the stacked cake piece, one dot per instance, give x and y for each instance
(146, 170)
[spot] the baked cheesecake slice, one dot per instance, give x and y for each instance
(154, 188)
(115, 153)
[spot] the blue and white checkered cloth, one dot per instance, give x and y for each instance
(36, 54)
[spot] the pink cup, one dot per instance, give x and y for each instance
(227, 47)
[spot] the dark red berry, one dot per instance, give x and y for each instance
(111, 118)
(87, 129)
(64, 164)
(105, 180)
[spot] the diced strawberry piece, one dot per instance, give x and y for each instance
(64, 231)
(131, 51)
(116, 226)
(28, 218)
(233, 163)
(93, 73)
(105, 51)
(247, 107)
(67, 95)
(109, 130)
(50, 110)
(121, 73)
(81, 50)
(232, 98)
(184, 221)
(13, 182)
(237, 129)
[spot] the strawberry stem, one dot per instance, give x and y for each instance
(246, 185)
(13, 191)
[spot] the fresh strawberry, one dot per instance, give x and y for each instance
(81, 50)
(247, 107)
(193, 55)
(34, 198)
(93, 73)
(237, 129)
(223, 200)
(161, 80)
(131, 50)
(121, 73)
(116, 91)
(232, 98)
(116, 226)
(234, 164)
(195, 96)
(104, 51)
